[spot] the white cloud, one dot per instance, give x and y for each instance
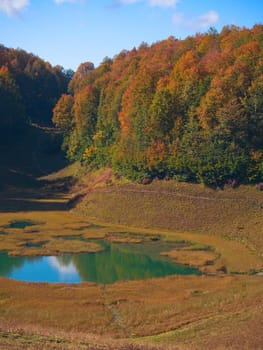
(153, 3)
(12, 7)
(163, 3)
(67, 1)
(204, 21)
(207, 19)
(125, 2)
(69, 269)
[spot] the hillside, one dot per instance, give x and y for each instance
(35, 152)
(187, 109)
(176, 312)
(29, 90)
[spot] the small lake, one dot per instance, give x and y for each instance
(117, 262)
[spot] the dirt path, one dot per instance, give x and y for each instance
(174, 193)
(81, 194)
(117, 318)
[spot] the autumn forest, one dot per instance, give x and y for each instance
(190, 110)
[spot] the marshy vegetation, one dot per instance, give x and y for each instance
(171, 311)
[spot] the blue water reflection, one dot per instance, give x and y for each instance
(46, 269)
(116, 262)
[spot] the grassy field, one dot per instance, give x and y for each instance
(185, 312)
(222, 309)
(235, 215)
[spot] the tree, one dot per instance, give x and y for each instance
(84, 76)
(191, 108)
(63, 116)
(11, 107)
(85, 112)
(253, 104)
(162, 113)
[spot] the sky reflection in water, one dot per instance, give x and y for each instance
(117, 262)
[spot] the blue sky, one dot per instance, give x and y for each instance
(69, 32)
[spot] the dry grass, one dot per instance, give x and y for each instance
(48, 234)
(240, 329)
(236, 214)
(177, 312)
(232, 254)
(138, 308)
(197, 258)
(36, 338)
(231, 220)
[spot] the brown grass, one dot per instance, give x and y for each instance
(230, 220)
(204, 260)
(236, 256)
(236, 214)
(132, 309)
(177, 312)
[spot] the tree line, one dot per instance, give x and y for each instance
(29, 90)
(187, 109)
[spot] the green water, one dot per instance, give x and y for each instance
(34, 244)
(117, 262)
(21, 224)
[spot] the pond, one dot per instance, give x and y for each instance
(21, 224)
(119, 261)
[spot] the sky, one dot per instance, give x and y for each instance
(70, 32)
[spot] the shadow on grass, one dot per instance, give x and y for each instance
(9, 204)
(25, 193)
(25, 158)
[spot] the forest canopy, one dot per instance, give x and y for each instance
(29, 90)
(187, 109)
